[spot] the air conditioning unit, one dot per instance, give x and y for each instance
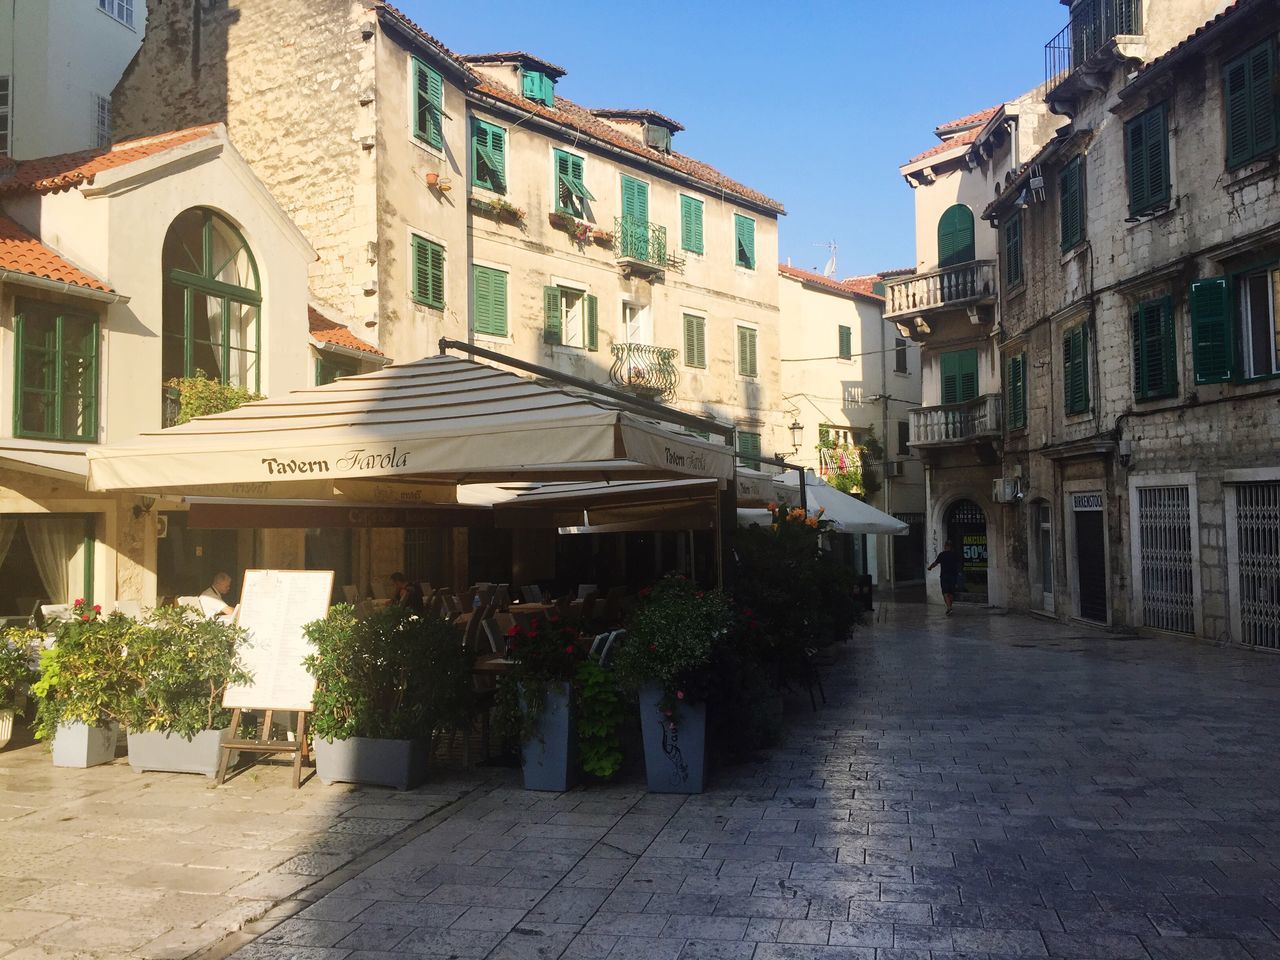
(1006, 490)
(894, 468)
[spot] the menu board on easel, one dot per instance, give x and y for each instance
(274, 607)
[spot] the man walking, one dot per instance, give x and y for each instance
(949, 575)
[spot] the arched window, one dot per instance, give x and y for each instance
(212, 302)
(955, 236)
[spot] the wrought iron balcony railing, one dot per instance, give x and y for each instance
(957, 286)
(1093, 24)
(645, 370)
(636, 239)
(955, 423)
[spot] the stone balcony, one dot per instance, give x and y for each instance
(958, 423)
(951, 288)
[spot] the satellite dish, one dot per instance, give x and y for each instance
(830, 269)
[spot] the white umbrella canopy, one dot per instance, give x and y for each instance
(439, 418)
(849, 514)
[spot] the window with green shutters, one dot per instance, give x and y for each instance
(428, 272)
(955, 236)
(56, 396)
(1212, 347)
(1013, 252)
(691, 224)
(1155, 368)
(329, 368)
(1075, 370)
(1249, 103)
(744, 234)
(489, 299)
(1146, 139)
(747, 352)
(428, 105)
(571, 189)
(747, 443)
(571, 318)
(488, 156)
(695, 341)
(845, 342)
(1015, 391)
(959, 376)
(540, 87)
(1071, 202)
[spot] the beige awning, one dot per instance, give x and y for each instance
(441, 418)
(57, 461)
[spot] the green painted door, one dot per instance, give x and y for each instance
(635, 218)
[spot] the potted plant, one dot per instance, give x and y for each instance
(81, 687)
(178, 665)
(17, 672)
(667, 659)
(387, 686)
(535, 701)
(599, 712)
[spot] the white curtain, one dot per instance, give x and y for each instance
(54, 545)
(8, 527)
(213, 308)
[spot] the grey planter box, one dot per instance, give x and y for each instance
(674, 760)
(79, 745)
(170, 753)
(384, 763)
(550, 758)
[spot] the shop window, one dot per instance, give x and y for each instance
(211, 312)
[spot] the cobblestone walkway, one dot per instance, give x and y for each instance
(983, 786)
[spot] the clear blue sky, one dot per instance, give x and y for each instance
(813, 103)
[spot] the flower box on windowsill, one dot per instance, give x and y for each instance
(579, 231)
(498, 210)
(602, 238)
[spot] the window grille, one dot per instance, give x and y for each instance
(1165, 555)
(1258, 550)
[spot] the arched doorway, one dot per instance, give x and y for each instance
(966, 527)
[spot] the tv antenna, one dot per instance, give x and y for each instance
(830, 269)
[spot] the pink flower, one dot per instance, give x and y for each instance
(84, 616)
(97, 608)
(79, 603)
(679, 694)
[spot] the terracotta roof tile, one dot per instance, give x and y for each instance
(407, 22)
(329, 331)
(21, 252)
(67, 170)
(515, 56)
(641, 114)
(851, 287)
(568, 114)
(959, 140)
(1181, 46)
(970, 120)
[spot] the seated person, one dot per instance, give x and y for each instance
(212, 603)
(406, 593)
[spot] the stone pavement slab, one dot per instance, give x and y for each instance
(977, 788)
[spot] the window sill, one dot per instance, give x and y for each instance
(905, 374)
(1137, 220)
(1070, 253)
(1252, 172)
(426, 306)
(494, 338)
(437, 152)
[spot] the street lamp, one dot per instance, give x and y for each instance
(797, 432)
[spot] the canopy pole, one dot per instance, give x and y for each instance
(726, 524)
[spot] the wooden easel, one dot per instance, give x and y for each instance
(264, 745)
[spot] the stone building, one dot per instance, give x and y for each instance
(949, 305)
(1138, 327)
(58, 64)
(464, 197)
(848, 376)
(121, 268)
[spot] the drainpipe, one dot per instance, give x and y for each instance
(884, 418)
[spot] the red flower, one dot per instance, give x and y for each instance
(679, 694)
(645, 591)
(513, 632)
(569, 648)
(84, 616)
(97, 608)
(701, 594)
(748, 612)
(79, 603)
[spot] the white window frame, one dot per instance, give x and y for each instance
(1230, 479)
(492, 265)
(583, 291)
(1187, 480)
(101, 113)
(121, 11)
(1244, 322)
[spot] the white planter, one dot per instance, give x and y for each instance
(6, 727)
(79, 745)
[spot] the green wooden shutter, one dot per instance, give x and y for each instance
(1262, 96)
(744, 232)
(532, 85)
(1154, 362)
(1147, 142)
(1213, 348)
(748, 443)
(845, 342)
(1013, 252)
(552, 321)
(955, 236)
(747, 352)
(635, 199)
(488, 156)
(967, 369)
(1136, 143)
(428, 272)
(490, 296)
(695, 341)
(1071, 203)
(428, 115)
(950, 379)
(691, 224)
(1075, 373)
(593, 322)
(1250, 104)
(579, 184)
(1016, 391)
(565, 202)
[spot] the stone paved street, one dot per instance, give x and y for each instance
(985, 786)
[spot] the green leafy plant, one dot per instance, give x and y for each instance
(82, 679)
(178, 665)
(545, 654)
(601, 711)
(393, 675)
(200, 396)
(18, 657)
(671, 638)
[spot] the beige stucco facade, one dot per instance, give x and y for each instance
(59, 59)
